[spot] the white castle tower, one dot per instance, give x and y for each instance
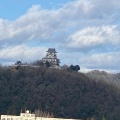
(51, 58)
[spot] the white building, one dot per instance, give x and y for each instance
(23, 116)
(51, 58)
(28, 116)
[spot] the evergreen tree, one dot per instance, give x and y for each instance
(103, 117)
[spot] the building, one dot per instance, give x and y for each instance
(23, 116)
(28, 116)
(51, 58)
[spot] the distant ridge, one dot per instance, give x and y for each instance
(105, 76)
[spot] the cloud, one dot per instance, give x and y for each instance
(106, 9)
(95, 38)
(39, 24)
(105, 61)
(22, 52)
(88, 25)
(109, 62)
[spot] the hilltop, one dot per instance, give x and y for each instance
(104, 76)
(64, 93)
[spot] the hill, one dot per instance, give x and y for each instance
(64, 93)
(104, 76)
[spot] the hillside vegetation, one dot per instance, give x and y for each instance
(63, 93)
(104, 76)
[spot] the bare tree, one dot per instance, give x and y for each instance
(40, 113)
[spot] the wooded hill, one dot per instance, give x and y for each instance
(104, 76)
(65, 93)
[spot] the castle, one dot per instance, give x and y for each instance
(51, 58)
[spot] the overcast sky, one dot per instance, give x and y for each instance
(83, 32)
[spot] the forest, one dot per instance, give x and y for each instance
(61, 92)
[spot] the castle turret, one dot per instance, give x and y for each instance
(51, 58)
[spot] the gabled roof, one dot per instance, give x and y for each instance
(51, 50)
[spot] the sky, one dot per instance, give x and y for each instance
(83, 32)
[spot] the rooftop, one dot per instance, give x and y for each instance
(51, 50)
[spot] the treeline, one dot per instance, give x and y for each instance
(63, 93)
(104, 76)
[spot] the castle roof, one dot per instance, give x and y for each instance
(51, 50)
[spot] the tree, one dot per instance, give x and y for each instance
(18, 63)
(75, 68)
(103, 117)
(38, 63)
(72, 67)
(47, 64)
(65, 67)
(40, 113)
(92, 118)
